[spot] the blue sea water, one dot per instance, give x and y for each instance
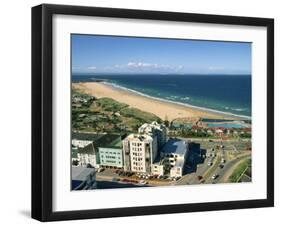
(228, 125)
(224, 93)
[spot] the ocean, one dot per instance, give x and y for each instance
(222, 93)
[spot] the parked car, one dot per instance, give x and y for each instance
(100, 170)
(215, 176)
(143, 182)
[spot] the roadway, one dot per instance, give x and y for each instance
(229, 167)
(232, 158)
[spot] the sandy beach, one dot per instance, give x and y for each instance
(162, 109)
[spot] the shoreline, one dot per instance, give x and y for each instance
(162, 108)
(226, 114)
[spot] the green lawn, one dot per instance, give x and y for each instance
(108, 115)
(240, 170)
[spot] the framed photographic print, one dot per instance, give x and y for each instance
(145, 112)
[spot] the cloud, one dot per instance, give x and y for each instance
(92, 68)
(215, 68)
(141, 64)
(145, 65)
(134, 67)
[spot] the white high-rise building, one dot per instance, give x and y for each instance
(155, 129)
(140, 150)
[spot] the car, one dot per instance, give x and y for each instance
(100, 170)
(125, 180)
(210, 163)
(120, 173)
(215, 176)
(143, 182)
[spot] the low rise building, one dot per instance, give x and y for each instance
(178, 169)
(81, 140)
(174, 155)
(88, 155)
(83, 178)
(157, 168)
(111, 155)
(74, 156)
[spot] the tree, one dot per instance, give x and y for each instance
(166, 121)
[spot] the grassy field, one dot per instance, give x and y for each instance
(242, 168)
(106, 115)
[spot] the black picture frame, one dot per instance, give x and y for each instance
(42, 107)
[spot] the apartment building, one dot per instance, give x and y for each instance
(140, 150)
(174, 155)
(155, 129)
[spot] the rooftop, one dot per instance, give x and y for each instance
(195, 147)
(149, 127)
(108, 140)
(175, 146)
(86, 136)
(89, 149)
(81, 173)
(116, 143)
(104, 140)
(139, 137)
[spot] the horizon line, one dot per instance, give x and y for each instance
(118, 73)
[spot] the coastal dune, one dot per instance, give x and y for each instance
(163, 109)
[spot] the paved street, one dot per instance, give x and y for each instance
(231, 155)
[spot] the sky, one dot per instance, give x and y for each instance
(130, 55)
